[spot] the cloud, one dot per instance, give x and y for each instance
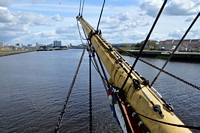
(117, 18)
(17, 25)
(69, 34)
(5, 15)
(174, 7)
(57, 18)
(47, 34)
(23, 18)
(176, 33)
(137, 35)
(182, 8)
(194, 33)
(124, 16)
(151, 7)
(158, 36)
(124, 23)
(9, 36)
(33, 19)
(64, 30)
(35, 1)
(13, 27)
(189, 19)
(5, 3)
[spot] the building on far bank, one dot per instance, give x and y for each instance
(1, 44)
(186, 45)
(151, 44)
(19, 46)
(57, 43)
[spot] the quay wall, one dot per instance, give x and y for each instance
(178, 56)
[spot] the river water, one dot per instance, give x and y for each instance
(34, 86)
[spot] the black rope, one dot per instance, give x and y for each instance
(146, 40)
(68, 95)
(101, 14)
(171, 124)
(90, 92)
(176, 48)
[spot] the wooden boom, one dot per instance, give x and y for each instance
(141, 99)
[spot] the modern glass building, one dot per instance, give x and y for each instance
(56, 43)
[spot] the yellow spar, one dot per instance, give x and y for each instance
(139, 99)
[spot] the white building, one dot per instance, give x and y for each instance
(19, 45)
(1, 44)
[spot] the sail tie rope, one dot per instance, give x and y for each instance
(133, 112)
(171, 124)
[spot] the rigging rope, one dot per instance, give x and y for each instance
(146, 40)
(101, 14)
(68, 95)
(176, 48)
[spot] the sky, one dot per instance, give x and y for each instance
(123, 21)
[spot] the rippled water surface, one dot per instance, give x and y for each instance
(33, 88)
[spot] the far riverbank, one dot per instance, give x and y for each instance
(12, 52)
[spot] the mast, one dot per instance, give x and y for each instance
(139, 95)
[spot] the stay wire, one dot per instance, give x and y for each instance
(68, 95)
(98, 70)
(146, 40)
(103, 70)
(80, 32)
(103, 78)
(82, 7)
(101, 14)
(176, 48)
